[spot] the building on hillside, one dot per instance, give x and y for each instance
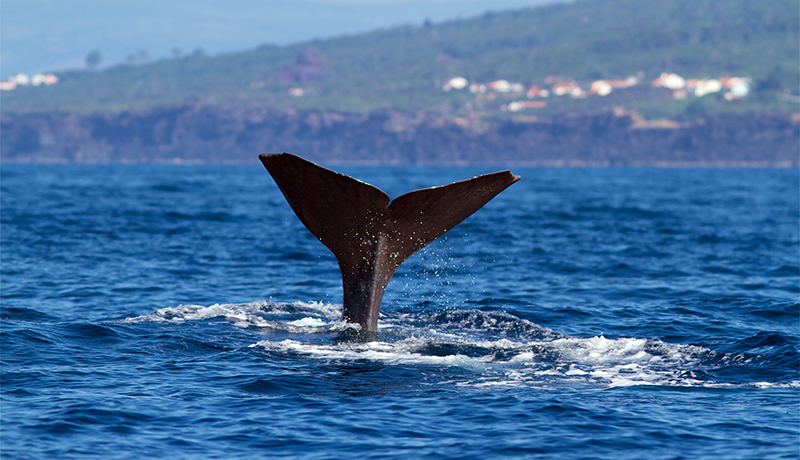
(504, 86)
(456, 83)
(20, 79)
(477, 88)
(565, 88)
(624, 83)
(500, 86)
(737, 87)
(516, 106)
(670, 81)
(707, 86)
(691, 83)
(535, 91)
(40, 79)
(600, 87)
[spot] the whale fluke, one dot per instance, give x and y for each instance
(370, 237)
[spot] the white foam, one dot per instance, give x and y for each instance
(402, 352)
(600, 350)
(260, 314)
(795, 384)
(612, 362)
(568, 360)
(536, 357)
(308, 322)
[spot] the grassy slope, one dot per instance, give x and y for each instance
(405, 67)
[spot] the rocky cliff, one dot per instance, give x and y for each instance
(194, 133)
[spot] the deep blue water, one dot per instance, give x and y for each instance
(184, 312)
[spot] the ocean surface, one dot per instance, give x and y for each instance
(184, 312)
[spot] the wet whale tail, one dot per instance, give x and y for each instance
(369, 236)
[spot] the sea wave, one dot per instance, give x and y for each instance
(492, 347)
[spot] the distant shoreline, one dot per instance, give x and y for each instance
(179, 162)
(198, 134)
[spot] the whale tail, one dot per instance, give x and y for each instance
(369, 236)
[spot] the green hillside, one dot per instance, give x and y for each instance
(405, 67)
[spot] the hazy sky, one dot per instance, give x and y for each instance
(44, 35)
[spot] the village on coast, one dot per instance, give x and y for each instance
(682, 88)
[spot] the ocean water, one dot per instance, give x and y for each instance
(184, 312)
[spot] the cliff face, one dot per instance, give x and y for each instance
(192, 133)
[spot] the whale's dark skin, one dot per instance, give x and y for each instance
(369, 236)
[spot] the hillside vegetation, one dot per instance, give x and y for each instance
(405, 67)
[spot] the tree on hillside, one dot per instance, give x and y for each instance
(93, 60)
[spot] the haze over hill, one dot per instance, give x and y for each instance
(42, 36)
(399, 76)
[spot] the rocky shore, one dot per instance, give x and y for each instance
(195, 133)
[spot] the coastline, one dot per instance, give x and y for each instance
(192, 133)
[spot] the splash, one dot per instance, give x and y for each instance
(486, 348)
(298, 317)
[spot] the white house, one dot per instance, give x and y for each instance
(707, 86)
(669, 81)
(600, 87)
(48, 79)
(456, 83)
